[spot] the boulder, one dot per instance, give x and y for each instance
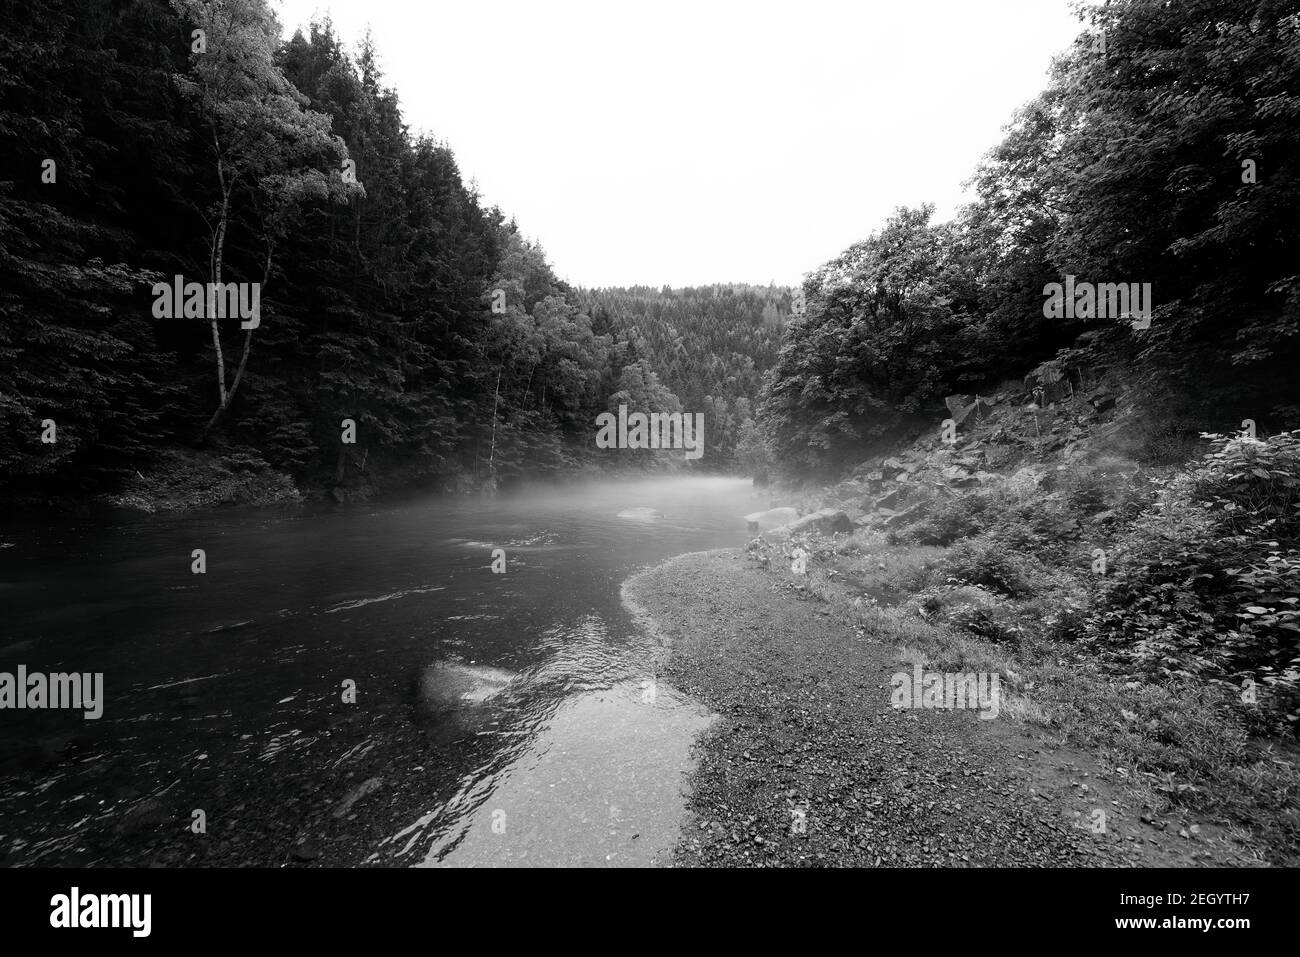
(977, 411)
(909, 516)
(362, 790)
(1046, 391)
(1028, 480)
(1077, 451)
(959, 477)
(827, 521)
(895, 498)
(958, 404)
(453, 685)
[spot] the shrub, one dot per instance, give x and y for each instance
(991, 565)
(1253, 486)
(1209, 587)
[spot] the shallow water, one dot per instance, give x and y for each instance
(543, 735)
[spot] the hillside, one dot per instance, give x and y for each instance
(712, 346)
(1141, 612)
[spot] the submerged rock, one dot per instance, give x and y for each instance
(364, 789)
(451, 685)
(641, 514)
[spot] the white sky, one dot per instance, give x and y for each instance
(685, 143)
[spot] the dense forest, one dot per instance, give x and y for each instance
(712, 346)
(1165, 150)
(405, 332)
(408, 333)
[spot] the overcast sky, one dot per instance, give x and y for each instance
(684, 143)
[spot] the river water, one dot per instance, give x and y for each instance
(497, 718)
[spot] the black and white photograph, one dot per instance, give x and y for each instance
(846, 435)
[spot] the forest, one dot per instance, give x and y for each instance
(408, 334)
(1165, 150)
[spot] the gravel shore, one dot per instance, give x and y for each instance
(812, 766)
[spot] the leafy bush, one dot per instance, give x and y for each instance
(991, 565)
(1253, 486)
(1042, 525)
(1208, 588)
(947, 521)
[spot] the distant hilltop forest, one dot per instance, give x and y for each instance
(407, 333)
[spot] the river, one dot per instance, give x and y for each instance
(356, 686)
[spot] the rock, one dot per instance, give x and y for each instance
(151, 813)
(452, 685)
(305, 852)
(364, 789)
(909, 516)
(957, 404)
(828, 521)
(1103, 403)
(1047, 388)
(977, 411)
(850, 490)
(1076, 451)
(641, 513)
(772, 518)
(895, 498)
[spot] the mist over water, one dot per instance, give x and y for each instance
(531, 692)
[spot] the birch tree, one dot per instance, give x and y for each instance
(269, 154)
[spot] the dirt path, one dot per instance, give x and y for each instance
(811, 765)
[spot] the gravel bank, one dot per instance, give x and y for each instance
(812, 766)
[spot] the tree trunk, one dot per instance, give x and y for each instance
(492, 450)
(341, 466)
(228, 397)
(215, 272)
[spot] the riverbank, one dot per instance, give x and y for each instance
(181, 481)
(811, 765)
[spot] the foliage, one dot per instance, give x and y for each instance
(226, 163)
(1209, 586)
(1171, 158)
